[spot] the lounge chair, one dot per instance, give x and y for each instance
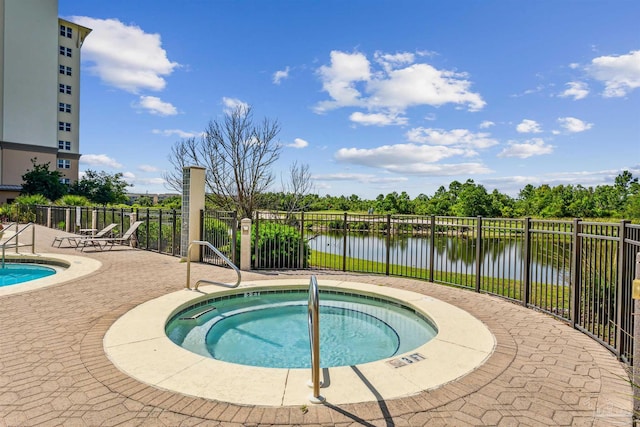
(128, 237)
(75, 240)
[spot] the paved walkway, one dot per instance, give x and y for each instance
(54, 371)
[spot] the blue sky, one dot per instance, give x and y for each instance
(375, 96)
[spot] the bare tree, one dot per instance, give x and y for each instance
(237, 154)
(298, 186)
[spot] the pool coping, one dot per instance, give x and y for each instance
(138, 346)
(75, 267)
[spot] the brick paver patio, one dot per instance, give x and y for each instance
(54, 371)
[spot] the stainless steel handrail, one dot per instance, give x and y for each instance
(217, 252)
(17, 243)
(313, 310)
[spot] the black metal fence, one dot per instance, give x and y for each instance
(159, 232)
(219, 228)
(578, 271)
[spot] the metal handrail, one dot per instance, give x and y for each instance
(15, 236)
(314, 338)
(217, 252)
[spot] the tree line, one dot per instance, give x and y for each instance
(620, 200)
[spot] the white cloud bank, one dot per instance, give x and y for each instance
(124, 56)
(156, 106)
(175, 132)
(523, 150)
(619, 74)
(298, 143)
(573, 125)
(390, 85)
(528, 126)
(576, 90)
(99, 160)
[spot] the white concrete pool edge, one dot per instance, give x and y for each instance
(78, 266)
(137, 345)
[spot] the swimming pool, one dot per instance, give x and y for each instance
(269, 329)
(16, 273)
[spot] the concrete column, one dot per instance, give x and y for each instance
(193, 197)
(67, 220)
(245, 244)
(49, 217)
(94, 219)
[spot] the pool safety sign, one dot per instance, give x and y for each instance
(406, 360)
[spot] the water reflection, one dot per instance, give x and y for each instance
(500, 257)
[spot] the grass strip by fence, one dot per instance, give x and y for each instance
(509, 288)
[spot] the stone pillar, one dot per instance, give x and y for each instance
(94, 219)
(193, 192)
(67, 220)
(49, 217)
(245, 244)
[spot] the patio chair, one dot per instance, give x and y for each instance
(128, 237)
(75, 240)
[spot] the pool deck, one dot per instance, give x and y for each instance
(54, 369)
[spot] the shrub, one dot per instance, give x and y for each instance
(73, 200)
(278, 247)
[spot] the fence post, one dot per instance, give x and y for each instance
(478, 253)
(388, 244)
(432, 254)
(620, 287)
(576, 276)
(526, 273)
(48, 216)
(636, 338)
(67, 219)
(245, 244)
(256, 258)
(344, 243)
(301, 243)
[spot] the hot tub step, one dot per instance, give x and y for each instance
(198, 314)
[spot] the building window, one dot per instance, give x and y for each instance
(64, 126)
(66, 31)
(62, 88)
(64, 164)
(65, 51)
(64, 108)
(64, 145)
(65, 181)
(64, 70)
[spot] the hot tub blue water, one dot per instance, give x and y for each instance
(15, 273)
(270, 329)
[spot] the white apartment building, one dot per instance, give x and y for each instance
(39, 91)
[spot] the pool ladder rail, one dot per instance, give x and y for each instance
(313, 310)
(217, 252)
(12, 241)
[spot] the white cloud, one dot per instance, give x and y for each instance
(124, 56)
(148, 168)
(230, 104)
(620, 74)
(130, 177)
(377, 119)
(398, 156)
(529, 126)
(298, 143)
(150, 181)
(454, 137)
(361, 178)
(99, 160)
(176, 132)
(486, 124)
(533, 147)
(573, 125)
(576, 90)
(399, 84)
(278, 76)
(156, 106)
